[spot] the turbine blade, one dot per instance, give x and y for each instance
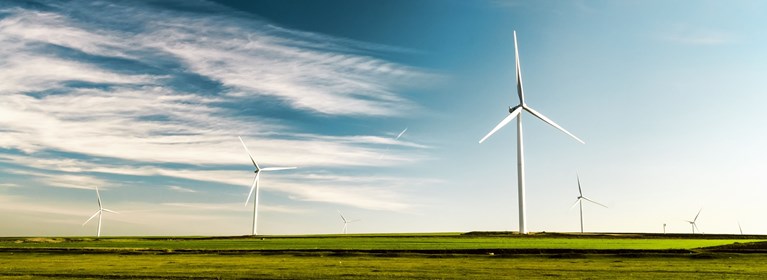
(400, 134)
(520, 91)
(110, 211)
(579, 184)
(552, 123)
(505, 121)
(739, 228)
(91, 218)
(98, 196)
(342, 216)
(696, 216)
(248, 151)
(276, 168)
(252, 188)
(696, 226)
(357, 220)
(597, 203)
(576, 203)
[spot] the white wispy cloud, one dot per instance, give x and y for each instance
(363, 191)
(181, 189)
(63, 180)
(90, 80)
(234, 207)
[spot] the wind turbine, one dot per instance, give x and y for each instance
(254, 187)
(740, 228)
(516, 112)
(99, 213)
(693, 224)
(346, 222)
(581, 198)
(664, 228)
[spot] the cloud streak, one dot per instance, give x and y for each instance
(91, 90)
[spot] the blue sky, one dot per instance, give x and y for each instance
(146, 100)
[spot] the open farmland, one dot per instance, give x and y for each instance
(447, 256)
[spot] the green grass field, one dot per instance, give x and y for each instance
(401, 256)
(364, 242)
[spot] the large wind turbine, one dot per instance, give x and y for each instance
(581, 198)
(346, 221)
(693, 224)
(254, 187)
(99, 213)
(516, 112)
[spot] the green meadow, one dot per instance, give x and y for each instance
(393, 256)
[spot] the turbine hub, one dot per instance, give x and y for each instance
(511, 109)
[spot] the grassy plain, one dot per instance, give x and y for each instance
(442, 256)
(371, 242)
(90, 266)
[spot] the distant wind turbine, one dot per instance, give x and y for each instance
(254, 187)
(739, 228)
(664, 228)
(516, 112)
(99, 213)
(693, 224)
(395, 139)
(580, 200)
(346, 221)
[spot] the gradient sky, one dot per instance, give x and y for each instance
(145, 99)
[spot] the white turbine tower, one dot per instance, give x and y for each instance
(693, 224)
(581, 198)
(99, 213)
(254, 187)
(346, 221)
(516, 112)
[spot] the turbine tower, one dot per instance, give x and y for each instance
(581, 198)
(254, 187)
(516, 112)
(99, 213)
(346, 221)
(693, 224)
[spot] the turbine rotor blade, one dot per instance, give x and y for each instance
(597, 203)
(98, 196)
(252, 188)
(342, 216)
(276, 168)
(576, 203)
(110, 211)
(91, 218)
(505, 121)
(520, 91)
(696, 216)
(248, 151)
(400, 134)
(552, 123)
(579, 184)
